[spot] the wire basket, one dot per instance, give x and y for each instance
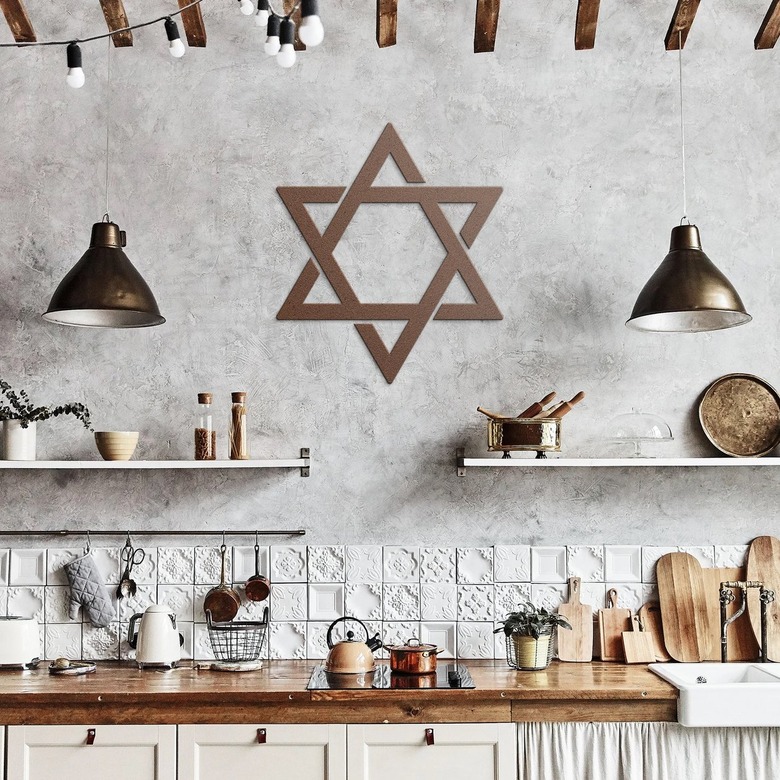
(529, 654)
(237, 641)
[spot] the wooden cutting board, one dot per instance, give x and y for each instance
(650, 616)
(638, 645)
(742, 645)
(613, 621)
(577, 644)
(687, 631)
(764, 565)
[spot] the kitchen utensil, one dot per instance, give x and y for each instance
(763, 565)
(613, 621)
(67, 668)
(351, 656)
(740, 414)
(636, 428)
(521, 434)
(650, 615)
(116, 445)
(638, 645)
(741, 643)
(157, 641)
(577, 644)
(687, 631)
(414, 657)
(238, 666)
(493, 415)
(562, 409)
(237, 642)
(257, 587)
(537, 407)
(20, 642)
(222, 601)
(131, 557)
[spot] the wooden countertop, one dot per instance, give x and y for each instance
(121, 693)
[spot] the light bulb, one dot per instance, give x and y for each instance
(311, 31)
(175, 43)
(286, 56)
(75, 77)
(247, 7)
(272, 42)
(263, 12)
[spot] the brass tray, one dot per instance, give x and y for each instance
(740, 414)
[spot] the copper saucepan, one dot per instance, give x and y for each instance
(257, 587)
(222, 601)
(414, 657)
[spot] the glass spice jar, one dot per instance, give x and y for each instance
(205, 434)
(238, 438)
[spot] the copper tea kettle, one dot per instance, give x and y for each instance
(351, 656)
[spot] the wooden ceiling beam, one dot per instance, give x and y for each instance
(769, 31)
(296, 17)
(386, 22)
(194, 29)
(116, 19)
(16, 15)
(682, 20)
(486, 25)
(585, 28)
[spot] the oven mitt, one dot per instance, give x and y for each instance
(88, 591)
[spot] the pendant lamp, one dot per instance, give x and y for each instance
(104, 289)
(687, 293)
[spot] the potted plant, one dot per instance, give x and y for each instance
(529, 633)
(19, 416)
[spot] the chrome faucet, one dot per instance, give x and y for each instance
(765, 596)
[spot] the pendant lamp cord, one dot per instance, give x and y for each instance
(108, 117)
(682, 132)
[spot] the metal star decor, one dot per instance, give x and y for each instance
(456, 261)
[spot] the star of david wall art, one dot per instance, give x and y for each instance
(415, 315)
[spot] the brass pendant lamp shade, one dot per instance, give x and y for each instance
(687, 293)
(104, 290)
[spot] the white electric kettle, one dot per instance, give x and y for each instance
(157, 642)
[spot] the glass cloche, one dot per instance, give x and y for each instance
(636, 428)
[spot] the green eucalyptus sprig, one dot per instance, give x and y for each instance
(530, 621)
(18, 406)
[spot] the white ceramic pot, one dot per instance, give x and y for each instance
(18, 442)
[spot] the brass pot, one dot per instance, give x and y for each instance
(414, 657)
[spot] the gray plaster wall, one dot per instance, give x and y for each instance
(585, 145)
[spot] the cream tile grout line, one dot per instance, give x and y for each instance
(449, 596)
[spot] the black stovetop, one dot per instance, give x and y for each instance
(447, 676)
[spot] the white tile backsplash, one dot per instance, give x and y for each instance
(288, 563)
(326, 601)
(475, 565)
(364, 563)
(402, 564)
(28, 567)
(437, 564)
(512, 563)
(622, 563)
(548, 564)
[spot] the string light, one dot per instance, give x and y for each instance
(261, 17)
(311, 31)
(247, 7)
(272, 43)
(286, 56)
(175, 45)
(75, 77)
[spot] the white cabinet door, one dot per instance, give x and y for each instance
(263, 752)
(460, 751)
(116, 752)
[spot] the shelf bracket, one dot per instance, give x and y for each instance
(306, 456)
(460, 454)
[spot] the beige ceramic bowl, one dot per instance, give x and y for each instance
(116, 445)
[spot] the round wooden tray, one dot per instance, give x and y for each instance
(740, 414)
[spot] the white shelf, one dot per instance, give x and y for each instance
(525, 462)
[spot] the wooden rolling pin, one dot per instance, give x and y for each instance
(493, 415)
(561, 409)
(534, 409)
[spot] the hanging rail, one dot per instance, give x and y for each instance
(90, 532)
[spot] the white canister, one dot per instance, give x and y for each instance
(18, 442)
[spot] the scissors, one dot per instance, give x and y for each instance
(131, 556)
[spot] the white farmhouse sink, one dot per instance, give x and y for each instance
(731, 694)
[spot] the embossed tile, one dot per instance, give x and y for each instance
(439, 602)
(3, 601)
(288, 563)
(326, 563)
(364, 563)
(475, 603)
(548, 596)
(437, 564)
(594, 595)
(512, 562)
(100, 643)
(28, 567)
(253, 610)
(509, 596)
(55, 562)
(199, 595)
(179, 599)
(289, 602)
(475, 565)
(5, 560)
(316, 642)
(63, 641)
(57, 605)
(650, 556)
(144, 573)
(548, 564)
(631, 595)
(107, 562)
(145, 596)
(401, 602)
(623, 563)
(731, 556)
(202, 649)
(208, 565)
(26, 602)
(364, 600)
(244, 562)
(585, 562)
(442, 635)
(704, 555)
(176, 565)
(402, 564)
(187, 630)
(288, 640)
(326, 601)
(399, 632)
(475, 640)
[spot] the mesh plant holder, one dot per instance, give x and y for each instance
(237, 641)
(529, 654)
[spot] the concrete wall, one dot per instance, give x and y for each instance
(585, 145)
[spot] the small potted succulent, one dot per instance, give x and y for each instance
(529, 633)
(19, 416)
